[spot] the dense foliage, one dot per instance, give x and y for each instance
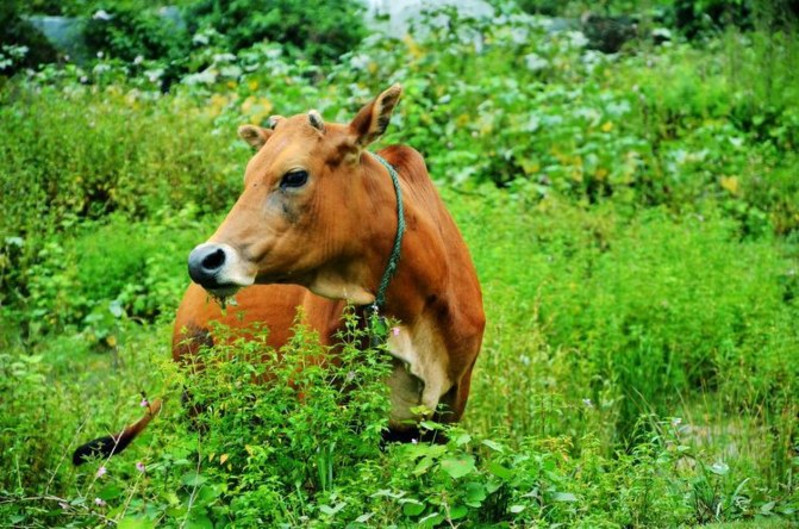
(634, 219)
(132, 30)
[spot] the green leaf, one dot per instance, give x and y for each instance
(493, 445)
(192, 479)
(492, 486)
(199, 521)
(475, 494)
(429, 425)
(458, 511)
(135, 523)
(462, 439)
(423, 466)
(499, 471)
(431, 520)
(364, 517)
(719, 468)
(411, 507)
(457, 467)
(109, 492)
(516, 509)
(564, 497)
(330, 511)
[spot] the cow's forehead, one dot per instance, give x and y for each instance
(296, 143)
(302, 123)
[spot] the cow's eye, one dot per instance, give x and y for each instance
(296, 178)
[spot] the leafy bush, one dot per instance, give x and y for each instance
(129, 33)
(107, 275)
(623, 314)
(319, 30)
(74, 161)
(21, 45)
(304, 448)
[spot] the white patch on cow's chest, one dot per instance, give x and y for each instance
(420, 377)
(332, 286)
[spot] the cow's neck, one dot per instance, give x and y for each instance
(421, 276)
(419, 298)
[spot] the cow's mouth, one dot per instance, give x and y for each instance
(223, 292)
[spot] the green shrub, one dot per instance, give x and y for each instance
(130, 32)
(319, 30)
(21, 45)
(625, 315)
(76, 160)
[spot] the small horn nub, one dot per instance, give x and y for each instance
(316, 120)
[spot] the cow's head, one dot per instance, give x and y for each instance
(307, 210)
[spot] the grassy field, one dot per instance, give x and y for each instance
(634, 223)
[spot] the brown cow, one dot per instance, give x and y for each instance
(314, 228)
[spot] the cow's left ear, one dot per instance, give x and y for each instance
(372, 120)
(255, 136)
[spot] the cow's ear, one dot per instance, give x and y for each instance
(372, 120)
(255, 136)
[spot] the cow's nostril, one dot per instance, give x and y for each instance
(214, 260)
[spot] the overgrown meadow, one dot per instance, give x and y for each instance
(634, 219)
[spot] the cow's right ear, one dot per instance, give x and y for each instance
(372, 120)
(255, 136)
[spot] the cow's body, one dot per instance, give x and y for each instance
(435, 296)
(314, 228)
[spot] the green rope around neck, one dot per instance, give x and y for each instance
(393, 261)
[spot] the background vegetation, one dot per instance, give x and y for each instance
(633, 216)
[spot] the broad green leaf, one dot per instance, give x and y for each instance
(462, 439)
(423, 466)
(411, 507)
(192, 479)
(499, 471)
(475, 494)
(458, 511)
(457, 467)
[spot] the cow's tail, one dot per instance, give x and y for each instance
(113, 444)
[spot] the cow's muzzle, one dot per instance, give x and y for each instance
(218, 268)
